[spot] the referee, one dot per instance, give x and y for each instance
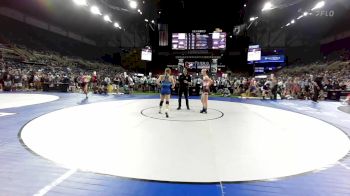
(184, 81)
(317, 84)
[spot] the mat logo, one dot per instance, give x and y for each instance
(6, 114)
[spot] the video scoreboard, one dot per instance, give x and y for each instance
(199, 41)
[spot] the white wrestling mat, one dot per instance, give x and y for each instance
(233, 142)
(13, 100)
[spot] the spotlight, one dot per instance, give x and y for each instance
(107, 18)
(305, 13)
(116, 25)
(293, 21)
(267, 6)
(95, 10)
(245, 5)
(80, 2)
(146, 20)
(152, 21)
(319, 5)
(133, 4)
(253, 18)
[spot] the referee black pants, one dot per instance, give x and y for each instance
(316, 95)
(185, 92)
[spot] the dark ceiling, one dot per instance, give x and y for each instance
(187, 15)
(287, 10)
(66, 14)
(181, 15)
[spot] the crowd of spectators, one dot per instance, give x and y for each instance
(292, 82)
(23, 76)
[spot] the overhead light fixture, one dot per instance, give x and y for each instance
(146, 20)
(80, 2)
(245, 5)
(141, 13)
(293, 21)
(138, 10)
(152, 21)
(253, 18)
(116, 25)
(319, 5)
(267, 6)
(287, 24)
(95, 10)
(302, 16)
(133, 4)
(107, 18)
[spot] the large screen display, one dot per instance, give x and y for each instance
(179, 41)
(270, 59)
(146, 55)
(201, 41)
(254, 53)
(198, 41)
(219, 41)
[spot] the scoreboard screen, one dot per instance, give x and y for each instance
(254, 53)
(179, 41)
(199, 41)
(146, 54)
(219, 41)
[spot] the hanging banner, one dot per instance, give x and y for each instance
(163, 34)
(197, 64)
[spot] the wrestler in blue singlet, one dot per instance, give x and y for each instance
(166, 86)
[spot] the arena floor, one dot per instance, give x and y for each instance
(64, 144)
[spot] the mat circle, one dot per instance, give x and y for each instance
(183, 115)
